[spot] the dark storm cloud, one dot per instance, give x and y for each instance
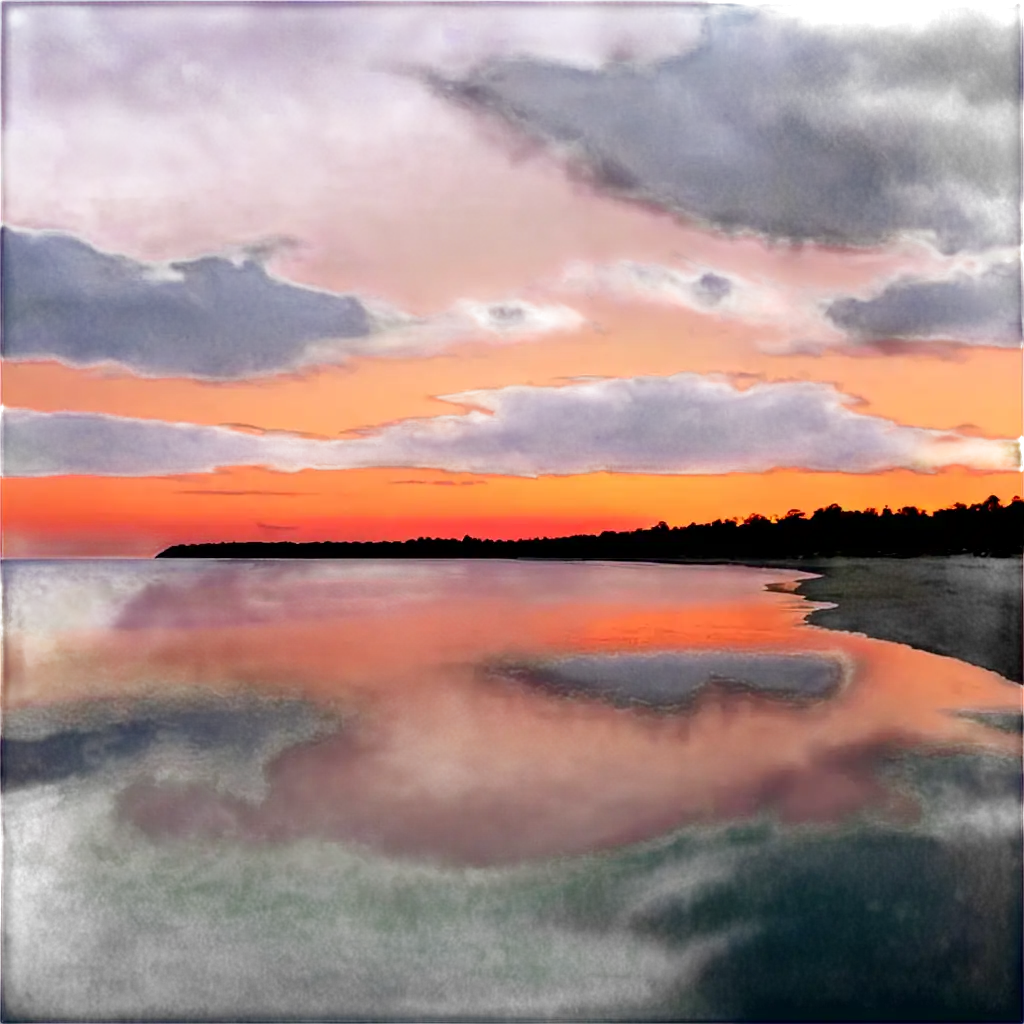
(979, 309)
(210, 317)
(841, 136)
(686, 423)
(510, 316)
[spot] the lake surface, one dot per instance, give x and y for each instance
(364, 789)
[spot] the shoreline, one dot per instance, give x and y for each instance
(968, 607)
(962, 606)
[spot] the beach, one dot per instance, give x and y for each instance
(959, 606)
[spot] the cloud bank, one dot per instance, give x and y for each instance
(216, 317)
(684, 424)
(838, 135)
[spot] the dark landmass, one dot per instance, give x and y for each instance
(949, 582)
(987, 528)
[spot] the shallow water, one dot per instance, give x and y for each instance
(408, 789)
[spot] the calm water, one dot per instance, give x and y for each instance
(444, 789)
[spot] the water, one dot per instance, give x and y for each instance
(494, 789)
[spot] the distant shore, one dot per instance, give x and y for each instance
(948, 582)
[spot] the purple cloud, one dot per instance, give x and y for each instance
(684, 424)
(647, 425)
(973, 309)
(709, 289)
(210, 317)
(46, 443)
(841, 135)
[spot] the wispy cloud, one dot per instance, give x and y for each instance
(244, 494)
(284, 47)
(495, 323)
(252, 428)
(701, 290)
(439, 483)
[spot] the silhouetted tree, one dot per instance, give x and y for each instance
(985, 528)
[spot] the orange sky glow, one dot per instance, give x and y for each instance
(438, 216)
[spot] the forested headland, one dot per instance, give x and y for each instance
(987, 528)
(948, 582)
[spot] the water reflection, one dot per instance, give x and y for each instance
(499, 790)
(44, 757)
(677, 682)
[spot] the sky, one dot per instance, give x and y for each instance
(317, 271)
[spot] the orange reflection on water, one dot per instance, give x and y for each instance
(438, 754)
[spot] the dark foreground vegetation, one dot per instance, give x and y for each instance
(987, 528)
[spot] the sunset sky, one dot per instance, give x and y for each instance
(316, 271)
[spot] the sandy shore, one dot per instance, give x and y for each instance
(962, 606)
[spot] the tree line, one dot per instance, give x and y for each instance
(986, 528)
